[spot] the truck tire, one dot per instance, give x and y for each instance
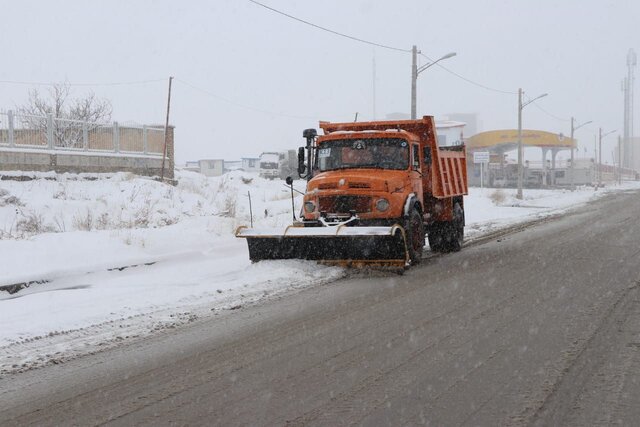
(414, 233)
(436, 238)
(455, 230)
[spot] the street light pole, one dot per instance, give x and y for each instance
(520, 153)
(601, 135)
(619, 160)
(414, 74)
(571, 169)
(573, 146)
(414, 80)
(599, 157)
(520, 169)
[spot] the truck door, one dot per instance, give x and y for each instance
(427, 178)
(416, 171)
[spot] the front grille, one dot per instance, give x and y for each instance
(345, 204)
(328, 186)
(359, 185)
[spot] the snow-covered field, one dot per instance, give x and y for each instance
(177, 243)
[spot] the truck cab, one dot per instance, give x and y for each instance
(269, 165)
(368, 174)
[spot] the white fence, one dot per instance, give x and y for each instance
(46, 132)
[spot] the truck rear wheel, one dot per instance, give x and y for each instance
(455, 230)
(436, 238)
(414, 233)
(448, 236)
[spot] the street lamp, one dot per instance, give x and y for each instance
(602, 135)
(573, 129)
(414, 74)
(520, 107)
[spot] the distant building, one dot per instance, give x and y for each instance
(450, 132)
(208, 167)
(251, 164)
(211, 167)
(216, 167)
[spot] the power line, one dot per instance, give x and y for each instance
(237, 104)
(550, 114)
(378, 45)
(329, 30)
(138, 82)
(469, 80)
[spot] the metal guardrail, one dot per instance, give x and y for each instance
(47, 132)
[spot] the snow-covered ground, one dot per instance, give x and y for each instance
(177, 243)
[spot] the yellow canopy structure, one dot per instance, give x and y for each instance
(507, 139)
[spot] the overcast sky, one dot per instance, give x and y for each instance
(268, 77)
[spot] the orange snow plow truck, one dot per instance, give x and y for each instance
(375, 190)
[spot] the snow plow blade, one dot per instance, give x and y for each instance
(347, 246)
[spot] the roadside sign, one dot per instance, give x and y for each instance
(480, 157)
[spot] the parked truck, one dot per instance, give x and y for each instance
(374, 191)
(269, 165)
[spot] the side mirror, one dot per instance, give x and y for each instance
(289, 180)
(427, 155)
(301, 166)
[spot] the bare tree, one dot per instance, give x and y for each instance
(67, 113)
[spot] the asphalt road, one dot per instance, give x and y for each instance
(539, 327)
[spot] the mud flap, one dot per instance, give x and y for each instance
(353, 246)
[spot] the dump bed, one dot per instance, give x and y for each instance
(447, 175)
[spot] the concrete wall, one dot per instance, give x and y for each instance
(23, 159)
(82, 163)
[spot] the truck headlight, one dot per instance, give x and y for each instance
(382, 205)
(309, 207)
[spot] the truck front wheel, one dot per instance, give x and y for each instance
(414, 233)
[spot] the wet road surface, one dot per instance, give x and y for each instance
(538, 327)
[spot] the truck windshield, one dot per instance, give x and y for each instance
(378, 153)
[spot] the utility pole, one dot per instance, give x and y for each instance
(414, 79)
(601, 135)
(374, 86)
(520, 169)
(573, 129)
(625, 128)
(415, 71)
(595, 154)
(599, 157)
(628, 89)
(571, 169)
(631, 63)
(619, 160)
(166, 132)
(520, 153)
